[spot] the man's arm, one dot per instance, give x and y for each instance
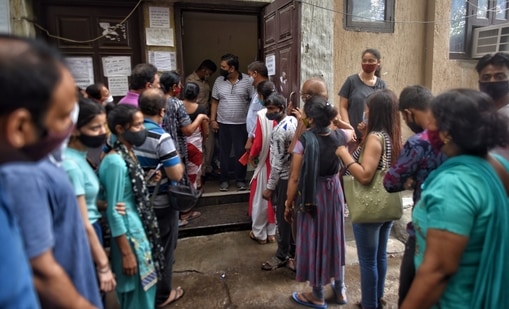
(404, 168)
(213, 114)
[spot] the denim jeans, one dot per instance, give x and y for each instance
(371, 240)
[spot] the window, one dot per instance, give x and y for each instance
(469, 14)
(369, 15)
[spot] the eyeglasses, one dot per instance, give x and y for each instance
(305, 96)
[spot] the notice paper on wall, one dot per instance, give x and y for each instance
(163, 61)
(116, 66)
(82, 69)
(159, 36)
(159, 17)
(270, 62)
(118, 85)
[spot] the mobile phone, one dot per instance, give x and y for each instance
(153, 172)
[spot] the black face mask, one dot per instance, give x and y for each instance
(223, 73)
(47, 144)
(92, 141)
(135, 138)
(495, 90)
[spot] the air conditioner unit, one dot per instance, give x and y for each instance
(490, 39)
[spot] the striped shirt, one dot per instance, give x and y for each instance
(279, 155)
(233, 99)
(158, 148)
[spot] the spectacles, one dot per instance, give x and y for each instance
(305, 96)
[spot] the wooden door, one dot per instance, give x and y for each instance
(281, 37)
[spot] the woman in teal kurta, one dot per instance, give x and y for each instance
(461, 221)
(135, 251)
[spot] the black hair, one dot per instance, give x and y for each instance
(94, 91)
(142, 74)
(375, 52)
(416, 96)
(259, 67)
(121, 114)
(191, 91)
(265, 88)
(151, 102)
(498, 59)
(32, 65)
(168, 80)
(277, 100)
(88, 111)
(321, 111)
(470, 117)
(384, 116)
(208, 64)
(231, 60)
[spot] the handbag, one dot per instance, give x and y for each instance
(372, 203)
(182, 197)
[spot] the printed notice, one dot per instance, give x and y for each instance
(82, 69)
(5, 18)
(159, 17)
(159, 36)
(163, 61)
(117, 66)
(270, 62)
(118, 85)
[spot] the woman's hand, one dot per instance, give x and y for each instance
(107, 280)
(297, 113)
(120, 208)
(289, 207)
(129, 265)
(251, 161)
(267, 194)
(362, 127)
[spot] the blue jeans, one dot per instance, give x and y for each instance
(371, 240)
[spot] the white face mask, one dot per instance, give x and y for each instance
(109, 99)
(251, 80)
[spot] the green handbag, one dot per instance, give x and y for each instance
(372, 203)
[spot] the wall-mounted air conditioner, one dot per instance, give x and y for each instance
(490, 39)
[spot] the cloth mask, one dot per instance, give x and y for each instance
(369, 67)
(434, 139)
(273, 116)
(92, 141)
(49, 142)
(135, 138)
(223, 73)
(495, 90)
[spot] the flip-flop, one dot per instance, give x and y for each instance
(179, 293)
(192, 215)
(340, 299)
(307, 302)
(182, 222)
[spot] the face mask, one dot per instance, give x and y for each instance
(92, 141)
(434, 139)
(414, 126)
(369, 67)
(48, 143)
(272, 116)
(495, 90)
(176, 92)
(305, 121)
(364, 118)
(223, 73)
(260, 101)
(109, 99)
(251, 80)
(135, 138)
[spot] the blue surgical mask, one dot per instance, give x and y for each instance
(364, 118)
(260, 101)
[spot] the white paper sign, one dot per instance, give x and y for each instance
(118, 85)
(159, 36)
(270, 62)
(82, 70)
(163, 61)
(117, 66)
(159, 17)
(5, 18)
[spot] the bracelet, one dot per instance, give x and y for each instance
(103, 270)
(350, 164)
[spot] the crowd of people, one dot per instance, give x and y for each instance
(67, 167)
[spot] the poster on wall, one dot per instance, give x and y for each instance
(118, 85)
(270, 62)
(159, 36)
(116, 66)
(5, 20)
(82, 69)
(159, 17)
(163, 61)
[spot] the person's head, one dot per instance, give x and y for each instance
(229, 64)
(415, 107)
(265, 89)
(152, 104)
(170, 83)
(36, 119)
(314, 86)
(468, 123)
(382, 114)
(493, 73)
(144, 76)
(126, 122)
(206, 68)
(371, 60)
(276, 107)
(257, 72)
(99, 93)
(319, 112)
(191, 91)
(90, 129)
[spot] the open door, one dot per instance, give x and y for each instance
(281, 33)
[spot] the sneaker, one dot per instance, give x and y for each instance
(224, 186)
(241, 186)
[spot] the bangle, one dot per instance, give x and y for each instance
(350, 164)
(103, 270)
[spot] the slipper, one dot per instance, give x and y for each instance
(259, 241)
(291, 265)
(307, 302)
(274, 263)
(188, 216)
(179, 292)
(340, 299)
(183, 222)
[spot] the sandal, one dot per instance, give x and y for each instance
(340, 298)
(271, 239)
(302, 299)
(274, 263)
(291, 264)
(259, 241)
(190, 215)
(183, 222)
(177, 294)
